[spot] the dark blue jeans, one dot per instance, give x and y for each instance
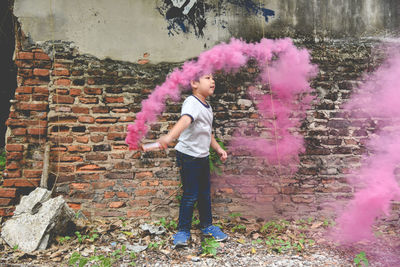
(195, 177)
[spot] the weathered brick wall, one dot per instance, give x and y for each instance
(82, 105)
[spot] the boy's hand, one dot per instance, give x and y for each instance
(222, 154)
(164, 141)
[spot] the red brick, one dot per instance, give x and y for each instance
(82, 139)
(102, 185)
(137, 213)
(24, 98)
(14, 155)
(24, 90)
(37, 131)
(142, 175)
(118, 156)
(93, 91)
(15, 122)
(115, 99)
(41, 72)
(302, 199)
(120, 110)
(150, 183)
(109, 194)
(34, 82)
(64, 167)
(63, 82)
(32, 173)
(106, 120)
(25, 72)
(100, 110)
(69, 158)
(63, 99)
(126, 119)
(18, 131)
(82, 110)
(60, 91)
(176, 183)
(6, 212)
(23, 64)
(120, 147)
(75, 206)
(41, 90)
(122, 165)
(41, 56)
(122, 195)
(13, 165)
(80, 186)
(37, 97)
(86, 119)
(75, 91)
(143, 61)
(89, 100)
(90, 167)
(63, 72)
(5, 201)
(21, 182)
(96, 138)
(32, 106)
(25, 55)
(102, 129)
(8, 192)
(79, 148)
(116, 136)
(14, 147)
(145, 192)
(117, 204)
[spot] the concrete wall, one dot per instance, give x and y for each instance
(177, 30)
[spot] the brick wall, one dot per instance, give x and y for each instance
(82, 105)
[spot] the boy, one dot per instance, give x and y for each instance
(194, 129)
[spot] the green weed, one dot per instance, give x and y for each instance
(209, 246)
(361, 259)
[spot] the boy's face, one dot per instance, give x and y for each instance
(205, 86)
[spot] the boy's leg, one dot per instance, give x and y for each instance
(205, 205)
(204, 200)
(190, 170)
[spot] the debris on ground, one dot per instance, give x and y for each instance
(252, 242)
(36, 220)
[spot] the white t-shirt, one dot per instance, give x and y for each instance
(196, 139)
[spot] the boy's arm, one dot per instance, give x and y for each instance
(174, 133)
(222, 153)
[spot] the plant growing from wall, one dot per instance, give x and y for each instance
(215, 161)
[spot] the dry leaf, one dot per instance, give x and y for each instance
(253, 250)
(316, 225)
(255, 235)
(241, 241)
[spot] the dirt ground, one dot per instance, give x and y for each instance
(252, 242)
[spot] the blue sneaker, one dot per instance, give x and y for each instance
(181, 239)
(215, 232)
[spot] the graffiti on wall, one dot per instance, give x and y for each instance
(190, 16)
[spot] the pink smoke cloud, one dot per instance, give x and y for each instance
(375, 182)
(284, 67)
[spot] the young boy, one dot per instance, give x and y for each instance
(194, 129)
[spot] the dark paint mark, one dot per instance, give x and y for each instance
(254, 8)
(195, 19)
(178, 22)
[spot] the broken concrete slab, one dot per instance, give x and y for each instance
(153, 229)
(36, 220)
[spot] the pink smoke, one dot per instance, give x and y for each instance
(285, 68)
(379, 97)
